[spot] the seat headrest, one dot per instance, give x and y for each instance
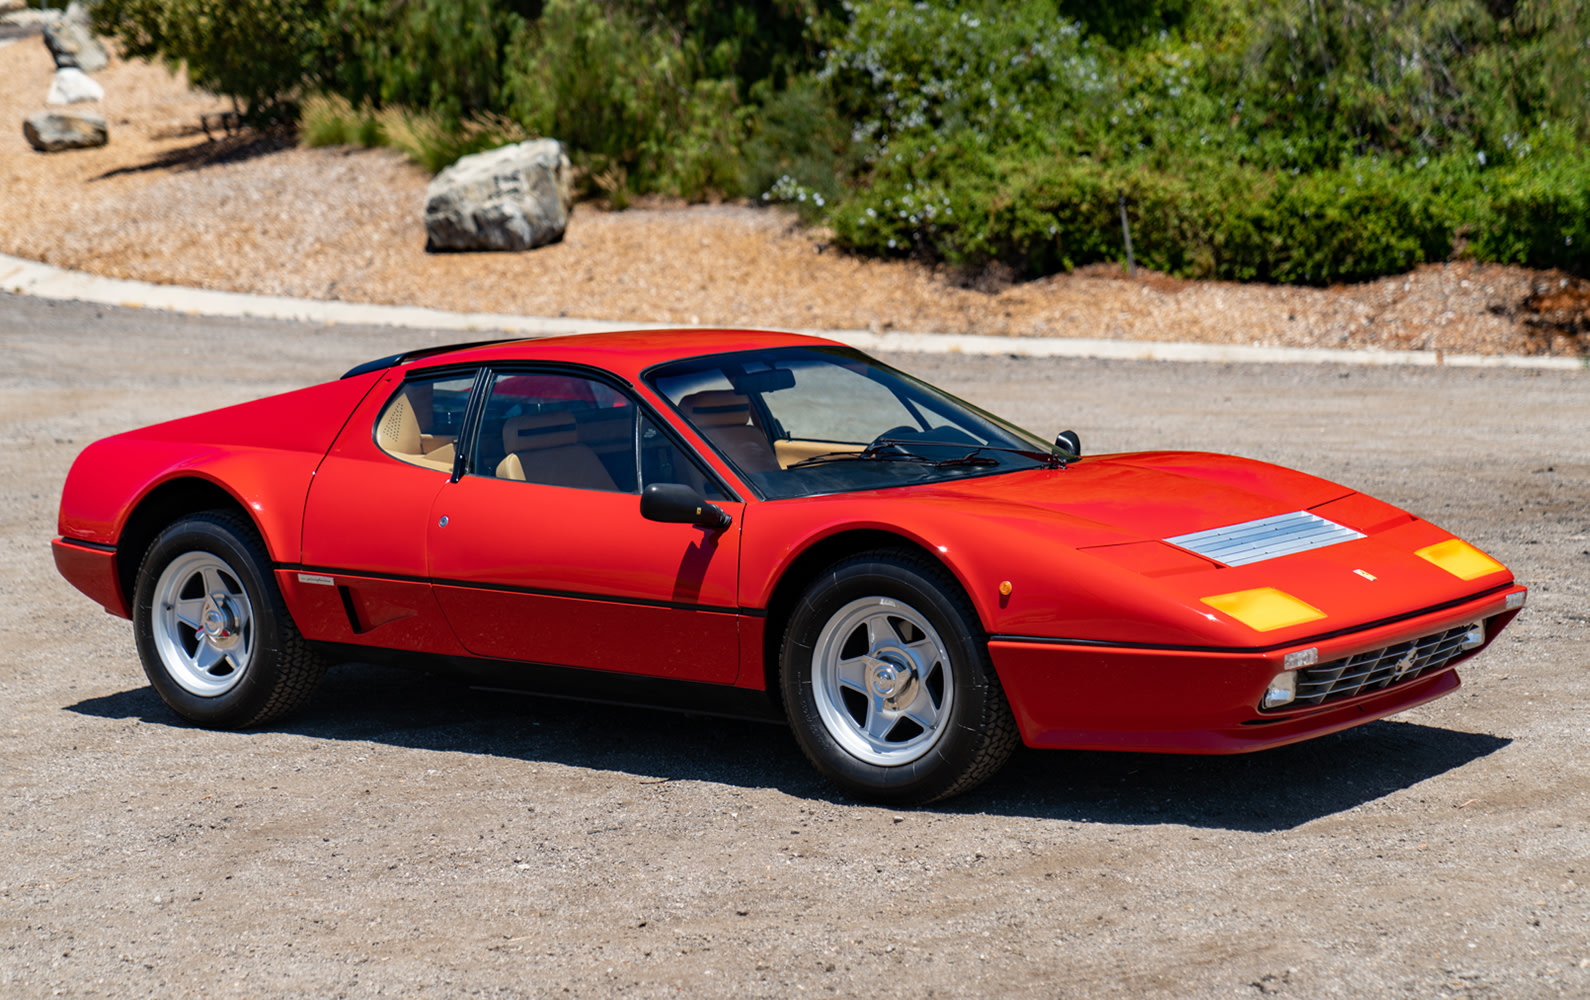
(536, 431)
(716, 408)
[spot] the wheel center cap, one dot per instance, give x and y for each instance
(885, 679)
(219, 620)
(893, 682)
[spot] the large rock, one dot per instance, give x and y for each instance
(71, 41)
(11, 6)
(73, 86)
(513, 198)
(53, 131)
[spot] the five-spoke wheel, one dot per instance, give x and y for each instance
(888, 684)
(203, 624)
(213, 633)
(882, 681)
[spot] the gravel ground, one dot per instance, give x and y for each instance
(162, 203)
(407, 836)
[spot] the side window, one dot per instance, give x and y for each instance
(557, 429)
(421, 422)
(662, 461)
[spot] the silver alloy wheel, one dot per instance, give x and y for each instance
(203, 624)
(881, 677)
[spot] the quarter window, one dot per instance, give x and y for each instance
(421, 423)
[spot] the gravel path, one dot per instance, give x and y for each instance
(409, 837)
(162, 203)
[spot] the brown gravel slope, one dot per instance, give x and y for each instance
(162, 203)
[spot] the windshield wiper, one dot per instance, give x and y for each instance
(973, 457)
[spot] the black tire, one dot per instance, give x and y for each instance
(902, 740)
(263, 669)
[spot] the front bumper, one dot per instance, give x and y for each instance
(1091, 696)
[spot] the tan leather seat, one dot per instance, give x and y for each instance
(725, 418)
(544, 448)
(400, 436)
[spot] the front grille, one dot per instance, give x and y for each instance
(1266, 538)
(1377, 669)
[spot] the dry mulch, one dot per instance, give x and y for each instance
(166, 203)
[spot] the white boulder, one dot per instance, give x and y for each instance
(511, 198)
(73, 86)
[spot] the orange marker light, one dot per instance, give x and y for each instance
(1265, 608)
(1460, 559)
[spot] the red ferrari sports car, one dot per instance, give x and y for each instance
(762, 523)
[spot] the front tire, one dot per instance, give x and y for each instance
(888, 684)
(212, 630)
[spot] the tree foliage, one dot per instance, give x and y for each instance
(257, 52)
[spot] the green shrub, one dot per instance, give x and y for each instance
(628, 99)
(1003, 74)
(972, 204)
(258, 52)
(1338, 225)
(1537, 211)
(443, 56)
(800, 151)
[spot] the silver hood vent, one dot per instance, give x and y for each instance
(1266, 538)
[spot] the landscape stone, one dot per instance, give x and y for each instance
(71, 41)
(511, 198)
(11, 6)
(53, 131)
(73, 86)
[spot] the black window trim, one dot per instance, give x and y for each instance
(468, 437)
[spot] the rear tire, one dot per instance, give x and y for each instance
(888, 684)
(212, 629)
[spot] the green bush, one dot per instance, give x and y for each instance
(629, 100)
(800, 151)
(258, 52)
(1337, 225)
(442, 56)
(1537, 212)
(972, 204)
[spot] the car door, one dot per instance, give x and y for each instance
(365, 577)
(538, 552)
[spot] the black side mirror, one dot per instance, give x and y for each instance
(675, 503)
(1068, 446)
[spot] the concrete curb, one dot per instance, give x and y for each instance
(26, 277)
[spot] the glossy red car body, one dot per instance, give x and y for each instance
(1099, 629)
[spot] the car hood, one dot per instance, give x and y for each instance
(1147, 495)
(1096, 551)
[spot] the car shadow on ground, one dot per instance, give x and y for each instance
(1274, 790)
